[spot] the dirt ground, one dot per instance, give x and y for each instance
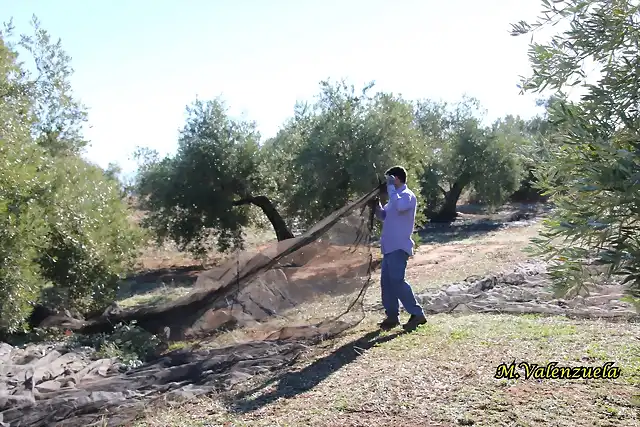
(444, 373)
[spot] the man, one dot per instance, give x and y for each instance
(398, 218)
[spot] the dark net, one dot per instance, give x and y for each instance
(256, 313)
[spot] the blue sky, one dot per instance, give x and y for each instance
(139, 63)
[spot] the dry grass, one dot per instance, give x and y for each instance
(438, 263)
(442, 374)
(167, 255)
(144, 289)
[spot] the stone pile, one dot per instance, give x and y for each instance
(527, 289)
(47, 385)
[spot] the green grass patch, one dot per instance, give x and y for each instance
(459, 335)
(157, 296)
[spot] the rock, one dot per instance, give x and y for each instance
(461, 299)
(71, 362)
(598, 299)
(462, 309)
(48, 386)
(513, 279)
(575, 301)
(483, 285)
(8, 401)
(99, 367)
(453, 289)
(439, 305)
(5, 352)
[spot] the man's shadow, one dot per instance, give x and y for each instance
(292, 384)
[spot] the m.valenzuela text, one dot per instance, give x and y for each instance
(552, 371)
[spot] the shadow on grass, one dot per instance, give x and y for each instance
(292, 384)
(455, 231)
(446, 233)
(475, 223)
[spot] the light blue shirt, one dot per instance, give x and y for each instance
(398, 218)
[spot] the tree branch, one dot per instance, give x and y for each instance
(263, 202)
(245, 201)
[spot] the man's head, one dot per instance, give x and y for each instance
(400, 173)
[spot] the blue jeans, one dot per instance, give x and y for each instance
(394, 286)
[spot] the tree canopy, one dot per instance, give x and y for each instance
(66, 234)
(593, 170)
(464, 153)
(332, 150)
(196, 193)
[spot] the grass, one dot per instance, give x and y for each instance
(159, 295)
(444, 373)
(167, 274)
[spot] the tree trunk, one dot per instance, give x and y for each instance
(263, 202)
(448, 212)
(527, 193)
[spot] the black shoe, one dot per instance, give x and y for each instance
(414, 322)
(389, 323)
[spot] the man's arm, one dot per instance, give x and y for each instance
(399, 202)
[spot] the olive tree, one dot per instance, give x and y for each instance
(66, 236)
(343, 143)
(593, 175)
(464, 154)
(204, 190)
